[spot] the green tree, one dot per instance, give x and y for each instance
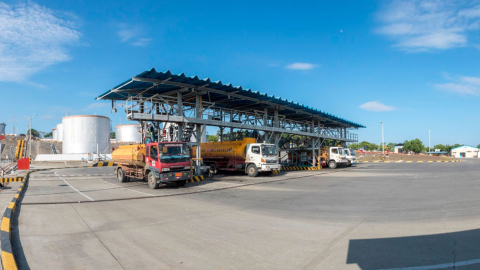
(113, 135)
(34, 132)
(439, 146)
(48, 135)
(365, 145)
(415, 146)
(478, 146)
(354, 146)
(450, 147)
(391, 146)
(212, 138)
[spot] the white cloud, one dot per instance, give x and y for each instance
(301, 66)
(32, 38)
(421, 25)
(376, 106)
(462, 86)
(126, 34)
(142, 42)
(133, 35)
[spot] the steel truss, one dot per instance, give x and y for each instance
(186, 108)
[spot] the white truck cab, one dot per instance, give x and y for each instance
(334, 157)
(261, 157)
(351, 157)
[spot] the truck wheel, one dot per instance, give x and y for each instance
(213, 168)
(332, 165)
(152, 182)
(121, 175)
(252, 170)
(180, 183)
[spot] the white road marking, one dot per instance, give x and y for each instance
(126, 188)
(437, 266)
(74, 187)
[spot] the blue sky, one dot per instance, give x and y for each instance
(411, 64)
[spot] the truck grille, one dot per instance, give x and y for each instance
(270, 161)
(177, 169)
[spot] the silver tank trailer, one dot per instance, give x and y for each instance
(84, 134)
(60, 132)
(128, 133)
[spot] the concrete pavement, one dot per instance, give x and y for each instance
(374, 216)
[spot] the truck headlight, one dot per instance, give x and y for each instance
(187, 167)
(165, 169)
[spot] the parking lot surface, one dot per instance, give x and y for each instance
(372, 216)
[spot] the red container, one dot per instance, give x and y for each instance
(2, 137)
(23, 164)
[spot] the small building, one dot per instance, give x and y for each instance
(398, 148)
(465, 151)
(437, 153)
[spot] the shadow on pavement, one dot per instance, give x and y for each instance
(413, 252)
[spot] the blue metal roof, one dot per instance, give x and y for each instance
(464, 146)
(166, 82)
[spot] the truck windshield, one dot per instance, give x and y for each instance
(353, 152)
(347, 152)
(269, 150)
(174, 151)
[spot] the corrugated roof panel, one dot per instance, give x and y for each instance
(137, 87)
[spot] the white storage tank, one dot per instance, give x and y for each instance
(54, 134)
(128, 133)
(60, 132)
(84, 134)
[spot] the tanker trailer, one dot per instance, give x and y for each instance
(156, 163)
(245, 155)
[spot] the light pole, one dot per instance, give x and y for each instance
(429, 141)
(30, 139)
(383, 144)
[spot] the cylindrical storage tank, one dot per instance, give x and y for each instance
(128, 133)
(60, 132)
(54, 134)
(84, 134)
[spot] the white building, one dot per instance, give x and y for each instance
(465, 152)
(398, 148)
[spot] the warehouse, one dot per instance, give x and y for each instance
(465, 152)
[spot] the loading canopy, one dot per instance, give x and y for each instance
(151, 83)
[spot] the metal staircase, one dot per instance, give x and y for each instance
(54, 150)
(188, 131)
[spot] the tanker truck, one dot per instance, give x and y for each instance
(333, 157)
(157, 163)
(245, 155)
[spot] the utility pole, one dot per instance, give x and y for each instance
(14, 122)
(30, 139)
(383, 143)
(429, 141)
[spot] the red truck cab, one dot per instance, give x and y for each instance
(167, 162)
